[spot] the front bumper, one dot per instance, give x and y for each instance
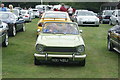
(88, 23)
(48, 57)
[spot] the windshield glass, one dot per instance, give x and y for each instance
(55, 15)
(85, 13)
(4, 16)
(60, 28)
(109, 13)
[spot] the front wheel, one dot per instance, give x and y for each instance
(36, 62)
(5, 43)
(82, 63)
(13, 33)
(110, 45)
(23, 28)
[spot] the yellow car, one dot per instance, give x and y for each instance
(55, 16)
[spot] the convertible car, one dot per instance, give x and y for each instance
(14, 23)
(60, 42)
(3, 34)
(114, 38)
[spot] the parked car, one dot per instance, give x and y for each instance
(60, 42)
(84, 17)
(26, 15)
(106, 14)
(114, 38)
(16, 12)
(3, 34)
(30, 11)
(115, 18)
(14, 23)
(36, 13)
(53, 16)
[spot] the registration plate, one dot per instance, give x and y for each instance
(60, 60)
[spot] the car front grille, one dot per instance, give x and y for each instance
(59, 49)
(88, 22)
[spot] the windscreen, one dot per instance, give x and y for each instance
(60, 28)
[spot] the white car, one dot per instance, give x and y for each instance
(115, 18)
(106, 14)
(36, 13)
(84, 17)
(26, 15)
(31, 13)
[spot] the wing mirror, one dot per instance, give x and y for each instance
(80, 31)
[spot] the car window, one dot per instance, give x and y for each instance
(60, 28)
(4, 15)
(118, 13)
(109, 13)
(55, 15)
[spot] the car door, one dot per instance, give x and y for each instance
(118, 32)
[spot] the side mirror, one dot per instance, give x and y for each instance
(80, 31)
(116, 15)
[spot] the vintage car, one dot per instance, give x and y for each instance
(53, 16)
(114, 38)
(85, 17)
(14, 23)
(60, 42)
(3, 34)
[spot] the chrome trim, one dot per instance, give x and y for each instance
(65, 56)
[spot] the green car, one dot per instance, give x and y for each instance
(60, 42)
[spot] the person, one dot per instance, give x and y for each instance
(62, 8)
(11, 8)
(2, 8)
(70, 11)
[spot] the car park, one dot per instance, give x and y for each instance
(106, 14)
(60, 42)
(3, 34)
(85, 17)
(53, 16)
(115, 18)
(26, 15)
(114, 38)
(15, 24)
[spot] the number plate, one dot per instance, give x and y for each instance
(60, 60)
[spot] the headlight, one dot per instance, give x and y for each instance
(39, 47)
(80, 48)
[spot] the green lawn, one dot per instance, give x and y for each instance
(100, 63)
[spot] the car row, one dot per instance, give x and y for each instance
(10, 24)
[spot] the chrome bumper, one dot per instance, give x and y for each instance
(48, 56)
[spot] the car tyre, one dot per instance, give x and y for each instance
(13, 31)
(23, 28)
(109, 45)
(36, 62)
(82, 63)
(5, 43)
(110, 23)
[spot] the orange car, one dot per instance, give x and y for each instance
(55, 16)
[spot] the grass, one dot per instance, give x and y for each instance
(100, 63)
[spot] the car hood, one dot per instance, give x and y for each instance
(60, 40)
